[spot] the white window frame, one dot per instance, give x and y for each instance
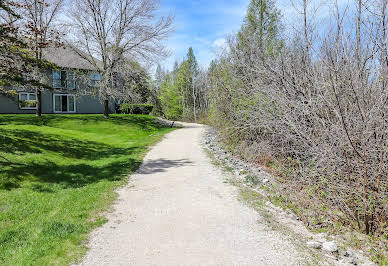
(61, 112)
(28, 99)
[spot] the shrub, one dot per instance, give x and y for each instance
(138, 109)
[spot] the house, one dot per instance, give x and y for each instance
(69, 90)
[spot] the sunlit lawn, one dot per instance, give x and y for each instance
(57, 173)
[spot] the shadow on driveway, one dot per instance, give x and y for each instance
(161, 165)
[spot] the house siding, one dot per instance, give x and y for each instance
(84, 104)
(67, 59)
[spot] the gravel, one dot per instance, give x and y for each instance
(177, 210)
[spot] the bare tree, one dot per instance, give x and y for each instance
(325, 120)
(110, 30)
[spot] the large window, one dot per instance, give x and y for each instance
(64, 103)
(64, 79)
(27, 100)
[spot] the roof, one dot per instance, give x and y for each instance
(68, 57)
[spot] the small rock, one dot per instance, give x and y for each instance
(353, 261)
(314, 244)
(265, 181)
(330, 246)
(321, 237)
(349, 253)
(348, 261)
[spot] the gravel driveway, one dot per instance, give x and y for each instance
(177, 210)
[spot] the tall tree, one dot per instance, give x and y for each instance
(191, 76)
(170, 99)
(38, 23)
(110, 30)
(18, 63)
(261, 25)
(192, 61)
(159, 76)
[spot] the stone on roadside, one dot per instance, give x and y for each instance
(330, 246)
(348, 261)
(321, 237)
(314, 244)
(349, 253)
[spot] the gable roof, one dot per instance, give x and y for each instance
(68, 57)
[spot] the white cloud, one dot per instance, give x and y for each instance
(203, 25)
(220, 43)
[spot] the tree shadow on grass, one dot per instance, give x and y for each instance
(141, 121)
(27, 143)
(15, 141)
(70, 176)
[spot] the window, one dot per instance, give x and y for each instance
(64, 103)
(70, 80)
(63, 79)
(57, 79)
(94, 79)
(27, 100)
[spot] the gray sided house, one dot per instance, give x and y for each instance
(71, 94)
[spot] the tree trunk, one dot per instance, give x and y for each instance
(38, 102)
(106, 108)
(306, 38)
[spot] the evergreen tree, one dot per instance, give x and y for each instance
(176, 69)
(170, 99)
(262, 23)
(192, 61)
(159, 76)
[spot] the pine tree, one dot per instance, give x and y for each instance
(159, 77)
(262, 23)
(192, 61)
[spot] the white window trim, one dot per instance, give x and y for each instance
(28, 96)
(61, 112)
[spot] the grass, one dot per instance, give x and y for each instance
(57, 174)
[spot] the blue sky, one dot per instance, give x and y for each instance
(203, 25)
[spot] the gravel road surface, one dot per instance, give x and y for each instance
(177, 210)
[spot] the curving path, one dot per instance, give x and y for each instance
(177, 210)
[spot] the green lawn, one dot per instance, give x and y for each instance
(57, 173)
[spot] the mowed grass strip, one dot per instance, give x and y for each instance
(57, 173)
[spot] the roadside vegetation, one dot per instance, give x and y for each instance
(306, 97)
(312, 109)
(57, 174)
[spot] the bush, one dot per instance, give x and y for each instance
(138, 109)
